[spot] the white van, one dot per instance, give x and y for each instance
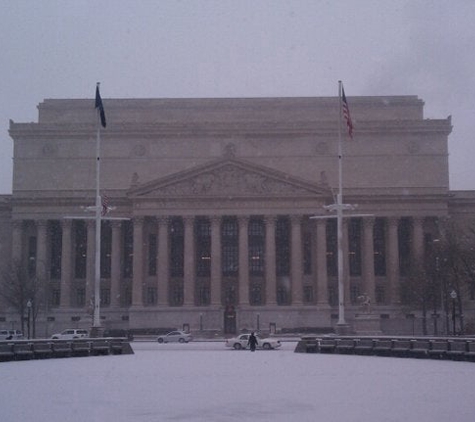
(10, 334)
(70, 334)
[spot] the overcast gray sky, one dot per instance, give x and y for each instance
(241, 48)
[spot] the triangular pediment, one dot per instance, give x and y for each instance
(229, 178)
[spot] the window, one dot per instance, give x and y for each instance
(354, 293)
(128, 248)
(106, 249)
(380, 294)
(354, 246)
(80, 297)
(282, 247)
(32, 256)
(152, 254)
(176, 294)
(256, 294)
(283, 296)
(127, 300)
(176, 248)
(151, 296)
(379, 244)
(333, 295)
(203, 247)
(105, 297)
(230, 256)
(332, 248)
(55, 297)
(56, 249)
(307, 252)
(229, 247)
(203, 294)
(80, 253)
(256, 247)
(230, 296)
(308, 294)
(404, 239)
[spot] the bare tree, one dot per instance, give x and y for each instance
(20, 289)
(416, 291)
(456, 268)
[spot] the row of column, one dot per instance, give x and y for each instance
(319, 258)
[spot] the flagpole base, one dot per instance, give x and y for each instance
(343, 329)
(97, 332)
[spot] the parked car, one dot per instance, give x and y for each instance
(70, 334)
(240, 342)
(10, 334)
(175, 336)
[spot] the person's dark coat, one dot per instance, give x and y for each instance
(252, 342)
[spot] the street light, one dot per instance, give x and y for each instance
(453, 295)
(29, 305)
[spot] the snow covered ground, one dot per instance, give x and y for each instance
(208, 382)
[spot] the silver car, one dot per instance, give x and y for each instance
(175, 336)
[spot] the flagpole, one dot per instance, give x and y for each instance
(98, 208)
(339, 219)
(338, 207)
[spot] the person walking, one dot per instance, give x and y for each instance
(252, 342)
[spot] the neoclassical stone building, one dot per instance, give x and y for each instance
(215, 199)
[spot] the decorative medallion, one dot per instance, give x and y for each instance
(139, 150)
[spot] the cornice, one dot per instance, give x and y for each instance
(226, 129)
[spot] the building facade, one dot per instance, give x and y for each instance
(212, 200)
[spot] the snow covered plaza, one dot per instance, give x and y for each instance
(206, 382)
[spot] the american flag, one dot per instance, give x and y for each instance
(105, 205)
(346, 113)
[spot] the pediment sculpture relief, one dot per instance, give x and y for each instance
(231, 180)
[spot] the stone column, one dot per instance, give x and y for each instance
(322, 275)
(393, 260)
(296, 260)
(189, 262)
(66, 260)
(115, 264)
(17, 233)
(243, 260)
(163, 261)
(418, 239)
(137, 283)
(271, 277)
(90, 262)
(368, 258)
(215, 260)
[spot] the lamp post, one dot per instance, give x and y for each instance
(453, 295)
(28, 306)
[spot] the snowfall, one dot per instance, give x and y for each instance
(205, 381)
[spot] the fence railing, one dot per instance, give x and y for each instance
(49, 348)
(453, 348)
